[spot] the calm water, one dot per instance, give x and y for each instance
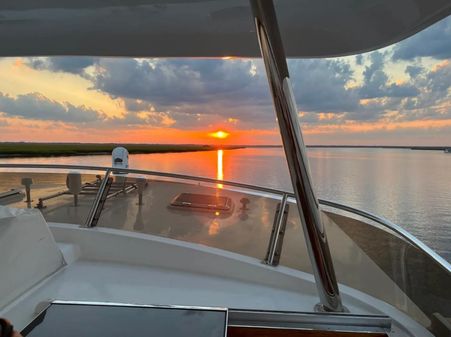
(410, 188)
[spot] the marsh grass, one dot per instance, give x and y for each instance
(80, 149)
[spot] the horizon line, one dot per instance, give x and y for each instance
(241, 145)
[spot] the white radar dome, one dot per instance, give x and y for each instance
(120, 157)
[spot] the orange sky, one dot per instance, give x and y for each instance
(43, 131)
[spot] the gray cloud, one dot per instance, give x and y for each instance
(376, 81)
(137, 105)
(142, 119)
(320, 85)
(435, 93)
(433, 42)
(359, 59)
(439, 80)
(234, 89)
(432, 100)
(413, 70)
(192, 92)
(177, 82)
(37, 106)
(69, 64)
(195, 92)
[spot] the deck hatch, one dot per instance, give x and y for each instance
(74, 319)
(205, 202)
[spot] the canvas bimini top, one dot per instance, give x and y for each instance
(207, 28)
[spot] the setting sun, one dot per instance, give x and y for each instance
(219, 134)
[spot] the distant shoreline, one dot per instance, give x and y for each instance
(430, 148)
(28, 150)
(433, 148)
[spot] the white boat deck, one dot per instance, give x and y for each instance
(243, 232)
(159, 271)
(102, 272)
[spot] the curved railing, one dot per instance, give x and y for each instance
(283, 194)
(395, 228)
(147, 172)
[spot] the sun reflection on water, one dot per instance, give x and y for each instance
(219, 167)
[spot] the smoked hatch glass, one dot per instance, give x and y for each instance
(82, 320)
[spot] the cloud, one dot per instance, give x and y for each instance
(320, 85)
(413, 70)
(359, 59)
(137, 105)
(142, 119)
(68, 64)
(192, 92)
(175, 82)
(376, 81)
(439, 79)
(203, 93)
(432, 42)
(434, 99)
(37, 106)
(195, 92)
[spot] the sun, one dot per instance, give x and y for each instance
(219, 134)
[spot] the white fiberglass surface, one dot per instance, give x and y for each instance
(163, 276)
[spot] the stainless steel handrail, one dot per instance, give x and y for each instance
(368, 215)
(274, 59)
(395, 228)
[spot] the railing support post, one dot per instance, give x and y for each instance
(27, 182)
(278, 76)
(275, 241)
(95, 205)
